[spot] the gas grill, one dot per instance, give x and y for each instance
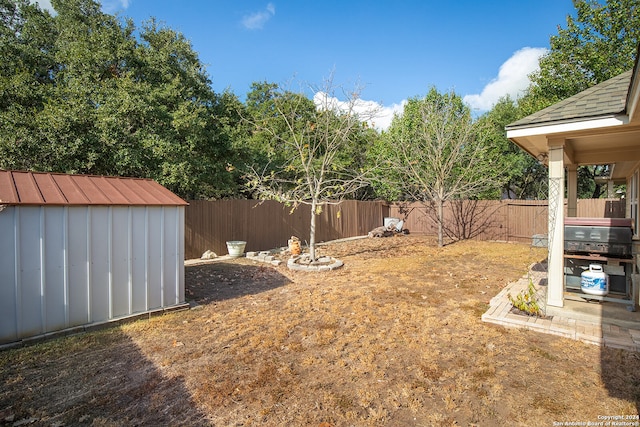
(604, 241)
(605, 236)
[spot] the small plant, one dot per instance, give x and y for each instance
(527, 301)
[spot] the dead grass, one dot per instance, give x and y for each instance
(393, 338)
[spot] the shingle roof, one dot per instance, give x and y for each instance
(606, 98)
(39, 188)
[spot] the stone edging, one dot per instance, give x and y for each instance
(328, 264)
(264, 256)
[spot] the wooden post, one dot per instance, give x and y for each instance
(572, 190)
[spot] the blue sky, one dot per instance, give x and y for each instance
(394, 49)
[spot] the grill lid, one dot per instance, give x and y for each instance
(611, 236)
(599, 222)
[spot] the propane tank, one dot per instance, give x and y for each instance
(594, 281)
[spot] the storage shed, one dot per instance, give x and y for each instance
(79, 250)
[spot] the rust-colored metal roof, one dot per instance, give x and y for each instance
(40, 188)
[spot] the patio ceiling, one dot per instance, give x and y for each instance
(597, 126)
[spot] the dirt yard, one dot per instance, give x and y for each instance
(394, 338)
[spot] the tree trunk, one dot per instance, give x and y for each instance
(312, 232)
(597, 191)
(440, 222)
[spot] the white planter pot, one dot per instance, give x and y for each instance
(236, 248)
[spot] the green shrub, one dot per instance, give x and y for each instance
(527, 300)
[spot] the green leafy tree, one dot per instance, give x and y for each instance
(266, 123)
(27, 49)
(304, 147)
(356, 156)
(589, 186)
(85, 92)
(92, 51)
(436, 153)
(596, 45)
(192, 128)
(523, 177)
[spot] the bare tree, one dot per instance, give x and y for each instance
(313, 161)
(471, 218)
(436, 153)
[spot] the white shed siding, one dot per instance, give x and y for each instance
(139, 260)
(154, 250)
(68, 266)
(30, 288)
(99, 243)
(8, 296)
(53, 277)
(120, 285)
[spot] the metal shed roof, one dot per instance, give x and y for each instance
(40, 188)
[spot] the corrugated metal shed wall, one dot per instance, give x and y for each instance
(70, 266)
(65, 266)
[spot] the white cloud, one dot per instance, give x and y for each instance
(257, 20)
(513, 78)
(372, 112)
(383, 119)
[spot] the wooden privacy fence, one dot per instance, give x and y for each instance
(506, 220)
(267, 225)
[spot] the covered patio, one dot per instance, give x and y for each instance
(599, 126)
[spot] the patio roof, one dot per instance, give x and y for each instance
(605, 99)
(597, 126)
